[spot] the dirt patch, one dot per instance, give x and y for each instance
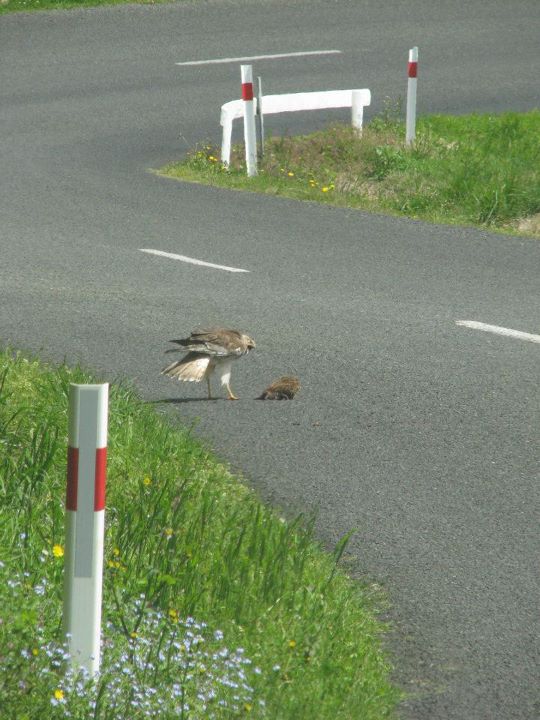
(530, 224)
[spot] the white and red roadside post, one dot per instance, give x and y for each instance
(85, 518)
(412, 72)
(250, 137)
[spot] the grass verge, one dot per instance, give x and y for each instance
(213, 606)
(472, 169)
(31, 5)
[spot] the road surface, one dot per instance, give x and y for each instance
(420, 433)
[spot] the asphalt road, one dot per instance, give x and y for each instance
(421, 434)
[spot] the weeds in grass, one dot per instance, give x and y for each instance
(155, 664)
(31, 5)
(479, 169)
(184, 539)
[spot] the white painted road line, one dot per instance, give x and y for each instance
(260, 57)
(499, 330)
(193, 261)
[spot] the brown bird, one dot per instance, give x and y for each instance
(283, 389)
(209, 350)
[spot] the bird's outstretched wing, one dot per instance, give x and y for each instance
(216, 342)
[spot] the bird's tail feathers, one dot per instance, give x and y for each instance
(191, 368)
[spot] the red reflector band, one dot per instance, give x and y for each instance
(100, 477)
(247, 91)
(413, 69)
(72, 478)
(101, 474)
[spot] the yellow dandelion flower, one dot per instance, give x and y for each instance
(168, 532)
(58, 694)
(173, 614)
(290, 174)
(116, 552)
(325, 189)
(147, 481)
(58, 551)
(248, 707)
(35, 652)
(292, 644)
(133, 635)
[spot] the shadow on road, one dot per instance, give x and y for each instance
(179, 401)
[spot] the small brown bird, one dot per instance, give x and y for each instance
(283, 389)
(209, 350)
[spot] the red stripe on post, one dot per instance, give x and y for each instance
(413, 69)
(247, 91)
(100, 478)
(72, 478)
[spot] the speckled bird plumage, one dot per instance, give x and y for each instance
(208, 351)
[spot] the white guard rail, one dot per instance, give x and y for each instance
(357, 100)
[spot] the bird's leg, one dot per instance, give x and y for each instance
(232, 396)
(209, 388)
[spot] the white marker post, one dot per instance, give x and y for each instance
(260, 120)
(249, 119)
(85, 516)
(412, 72)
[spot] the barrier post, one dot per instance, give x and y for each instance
(226, 121)
(412, 71)
(85, 517)
(357, 110)
(249, 119)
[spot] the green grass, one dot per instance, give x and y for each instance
(472, 170)
(188, 549)
(31, 5)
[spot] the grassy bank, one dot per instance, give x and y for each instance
(214, 607)
(474, 169)
(31, 5)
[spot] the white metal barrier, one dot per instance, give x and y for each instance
(357, 100)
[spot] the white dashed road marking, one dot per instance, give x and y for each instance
(530, 337)
(260, 57)
(193, 261)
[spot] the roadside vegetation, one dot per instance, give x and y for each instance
(31, 5)
(472, 169)
(214, 606)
